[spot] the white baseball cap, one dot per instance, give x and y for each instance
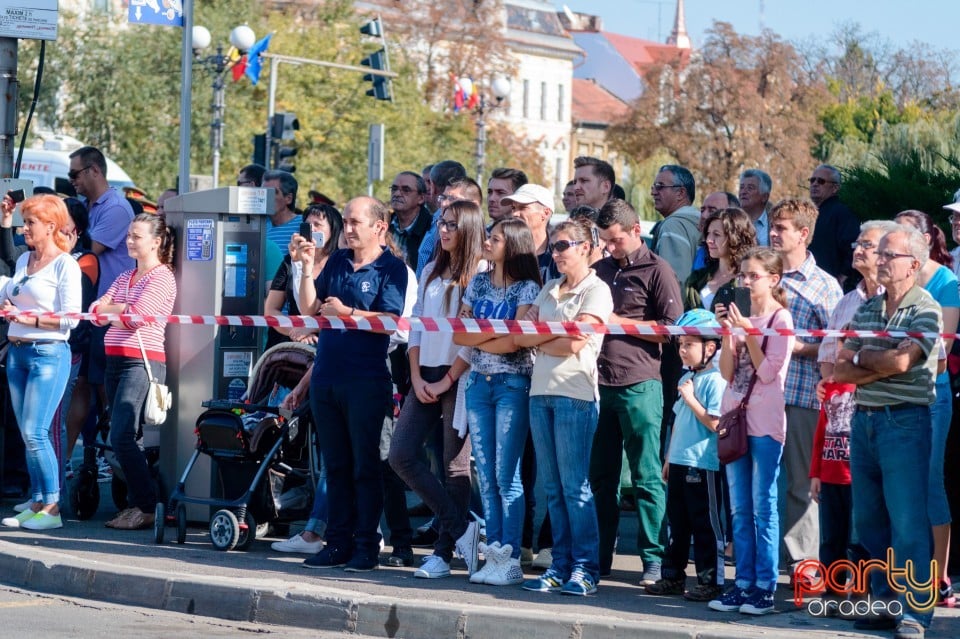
(529, 193)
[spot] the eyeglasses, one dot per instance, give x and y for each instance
(657, 186)
(16, 288)
(562, 245)
(708, 209)
(73, 175)
(246, 183)
(955, 218)
(447, 225)
(403, 189)
(443, 197)
(750, 278)
(886, 256)
(866, 246)
(821, 181)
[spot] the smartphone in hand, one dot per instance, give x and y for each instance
(16, 195)
(305, 230)
(741, 297)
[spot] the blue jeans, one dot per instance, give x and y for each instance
(127, 384)
(941, 414)
(498, 413)
(37, 375)
(317, 523)
(563, 430)
(889, 462)
(756, 523)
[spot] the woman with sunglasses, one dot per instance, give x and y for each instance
(564, 409)
(497, 393)
(753, 477)
(46, 280)
(937, 278)
(435, 371)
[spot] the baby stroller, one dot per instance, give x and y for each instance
(264, 460)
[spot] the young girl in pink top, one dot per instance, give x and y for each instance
(753, 477)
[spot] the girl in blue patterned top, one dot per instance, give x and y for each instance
(497, 393)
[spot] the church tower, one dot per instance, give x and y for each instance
(678, 37)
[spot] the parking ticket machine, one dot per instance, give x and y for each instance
(219, 262)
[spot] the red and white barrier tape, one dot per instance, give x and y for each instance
(460, 325)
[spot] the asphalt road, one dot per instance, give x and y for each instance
(27, 614)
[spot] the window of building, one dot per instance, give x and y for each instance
(526, 98)
(560, 102)
(543, 100)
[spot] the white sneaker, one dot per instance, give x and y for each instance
(42, 521)
(433, 567)
(490, 555)
(104, 470)
(544, 559)
(467, 546)
(298, 544)
(19, 508)
(14, 522)
(507, 571)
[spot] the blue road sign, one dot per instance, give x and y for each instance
(163, 12)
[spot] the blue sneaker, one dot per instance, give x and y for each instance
(729, 601)
(550, 581)
(759, 602)
(580, 584)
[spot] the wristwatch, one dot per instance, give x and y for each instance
(856, 359)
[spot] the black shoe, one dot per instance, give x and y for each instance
(362, 563)
(420, 510)
(425, 537)
(401, 557)
(875, 623)
(327, 558)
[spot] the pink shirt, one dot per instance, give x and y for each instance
(766, 411)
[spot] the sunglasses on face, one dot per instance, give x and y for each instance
(73, 175)
(820, 181)
(562, 245)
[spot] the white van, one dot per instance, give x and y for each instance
(43, 166)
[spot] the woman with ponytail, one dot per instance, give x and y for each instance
(149, 289)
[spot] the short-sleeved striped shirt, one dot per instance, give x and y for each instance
(919, 312)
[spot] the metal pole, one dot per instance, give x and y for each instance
(271, 109)
(186, 75)
(8, 110)
(218, 110)
(481, 140)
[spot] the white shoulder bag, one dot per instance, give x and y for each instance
(159, 400)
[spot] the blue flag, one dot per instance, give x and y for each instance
(253, 57)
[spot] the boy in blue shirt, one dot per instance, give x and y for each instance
(691, 469)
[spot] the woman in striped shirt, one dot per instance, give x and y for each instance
(149, 289)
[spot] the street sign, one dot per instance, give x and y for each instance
(167, 13)
(28, 19)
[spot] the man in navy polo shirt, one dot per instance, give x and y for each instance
(350, 387)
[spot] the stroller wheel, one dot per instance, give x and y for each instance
(224, 530)
(159, 521)
(181, 523)
(85, 494)
(247, 536)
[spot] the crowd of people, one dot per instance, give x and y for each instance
(821, 475)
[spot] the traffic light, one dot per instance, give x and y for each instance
(378, 61)
(282, 127)
(381, 85)
(260, 149)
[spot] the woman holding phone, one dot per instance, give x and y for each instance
(753, 477)
(728, 235)
(322, 226)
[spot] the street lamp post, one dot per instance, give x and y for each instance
(242, 38)
(500, 89)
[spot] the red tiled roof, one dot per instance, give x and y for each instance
(593, 103)
(642, 53)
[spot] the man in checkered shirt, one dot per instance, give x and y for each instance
(812, 294)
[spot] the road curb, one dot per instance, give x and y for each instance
(279, 602)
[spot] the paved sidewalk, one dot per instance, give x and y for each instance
(85, 559)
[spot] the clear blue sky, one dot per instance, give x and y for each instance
(935, 22)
